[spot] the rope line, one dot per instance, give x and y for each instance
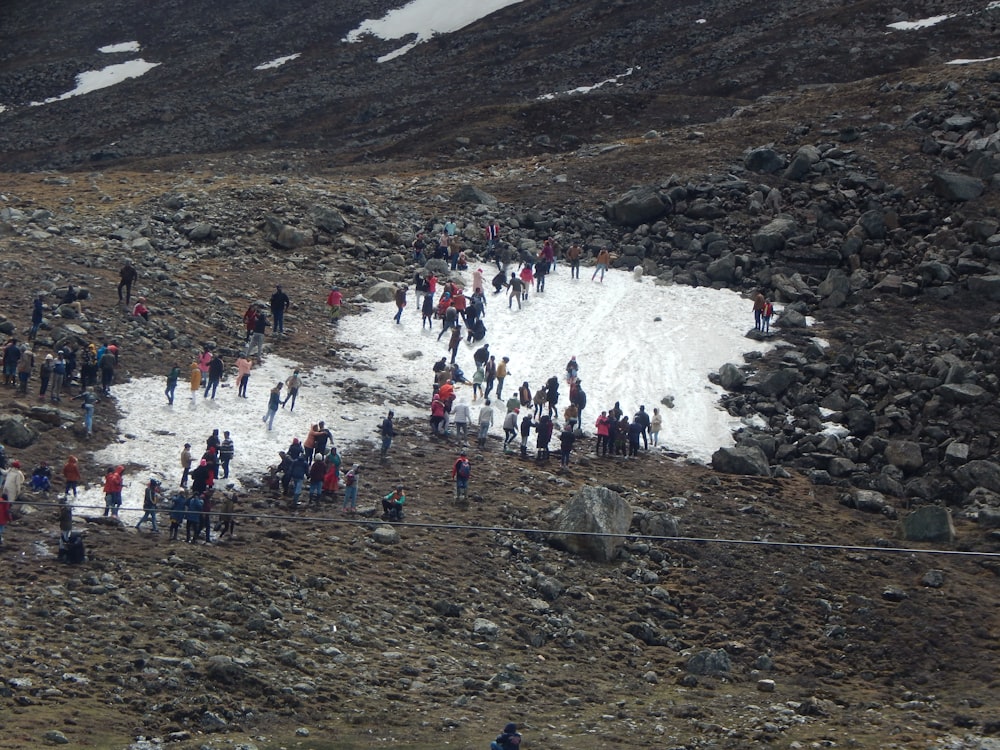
(548, 532)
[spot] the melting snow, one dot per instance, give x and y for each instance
(92, 80)
(584, 89)
(636, 342)
(277, 62)
(123, 47)
(964, 61)
(923, 23)
(425, 18)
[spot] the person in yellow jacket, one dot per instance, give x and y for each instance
(195, 380)
(501, 374)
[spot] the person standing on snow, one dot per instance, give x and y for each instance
(172, 377)
(195, 374)
(293, 384)
(655, 425)
(400, 299)
(273, 402)
(454, 341)
(243, 367)
(603, 262)
(227, 449)
(216, 369)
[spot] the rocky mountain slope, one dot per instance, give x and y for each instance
(324, 633)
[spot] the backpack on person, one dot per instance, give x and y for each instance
(463, 470)
(74, 552)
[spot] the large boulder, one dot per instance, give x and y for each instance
(383, 291)
(929, 523)
(953, 186)
(743, 459)
(328, 219)
(764, 160)
(771, 237)
(904, 454)
(593, 524)
(16, 434)
(472, 194)
(642, 205)
(979, 473)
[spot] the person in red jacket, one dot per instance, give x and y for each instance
(437, 415)
(335, 301)
(113, 482)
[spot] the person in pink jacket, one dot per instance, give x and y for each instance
(603, 429)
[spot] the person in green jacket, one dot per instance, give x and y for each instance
(172, 377)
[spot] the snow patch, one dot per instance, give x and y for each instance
(923, 23)
(92, 80)
(971, 61)
(585, 89)
(636, 342)
(277, 62)
(110, 49)
(425, 19)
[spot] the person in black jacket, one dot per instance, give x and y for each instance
(128, 275)
(279, 304)
(215, 370)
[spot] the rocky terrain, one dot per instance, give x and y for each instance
(804, 152)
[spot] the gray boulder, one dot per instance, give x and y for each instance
(385, 534)
(472, 194)
(16, 434)
(953, 186)
(383, 291)
(904, 454)
(764, 160)
(979, 473)
(870, 501)
(743, 459)
(641, 205)
(929, 523)
(731, 377)
(593, 510)
(988, 286)
(723, 269)
(328, 219)
(776, 382)
(655, 523)
(771, 237)
(709, 661)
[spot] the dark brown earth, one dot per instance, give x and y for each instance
(862, 651)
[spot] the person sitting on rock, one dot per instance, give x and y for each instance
(392, 504)
(140, 310)
(41, 478)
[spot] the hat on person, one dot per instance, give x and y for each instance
(399, 486)
(462, 453)
(48, 356)
(510, 728)
(16, 464)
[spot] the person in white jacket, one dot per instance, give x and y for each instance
(460, 416)
(485, 422)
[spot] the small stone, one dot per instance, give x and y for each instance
(765, 686)
(56, 737)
